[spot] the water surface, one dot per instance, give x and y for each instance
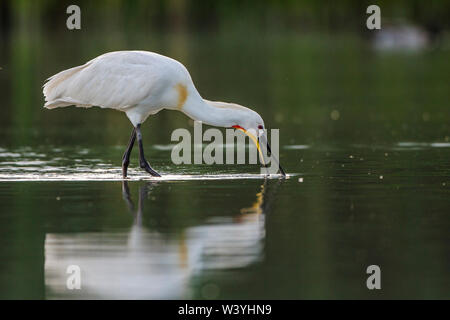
(217, 233)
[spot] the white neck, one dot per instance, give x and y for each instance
(214, 113)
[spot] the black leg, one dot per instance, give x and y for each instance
(144, 163)
(126, 196)
(126, 155)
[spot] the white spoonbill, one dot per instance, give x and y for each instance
(141, 83)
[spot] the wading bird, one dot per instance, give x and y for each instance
(142, 83)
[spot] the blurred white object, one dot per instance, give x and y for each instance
(146, 264)
(143, 264)
(401, 38)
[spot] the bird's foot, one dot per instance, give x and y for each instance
(146, 166)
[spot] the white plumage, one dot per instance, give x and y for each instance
(123, 80)
(141, 83)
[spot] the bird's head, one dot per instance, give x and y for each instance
(252, 124)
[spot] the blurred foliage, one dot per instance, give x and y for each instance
(199, 15)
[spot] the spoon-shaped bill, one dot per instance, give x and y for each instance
(266, 154)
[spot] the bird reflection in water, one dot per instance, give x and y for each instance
(148, 264)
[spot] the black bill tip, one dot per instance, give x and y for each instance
(283, 173)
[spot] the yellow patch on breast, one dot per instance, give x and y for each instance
(182, 95)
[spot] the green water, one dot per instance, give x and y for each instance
(369, 187)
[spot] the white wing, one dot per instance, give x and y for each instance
(115, 80)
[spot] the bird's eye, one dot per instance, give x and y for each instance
(260, 127)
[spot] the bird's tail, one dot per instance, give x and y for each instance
(56, 86)
(64, 103)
